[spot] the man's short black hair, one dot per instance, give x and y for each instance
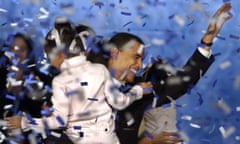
(122, 38)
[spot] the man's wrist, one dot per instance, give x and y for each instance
(206, 43)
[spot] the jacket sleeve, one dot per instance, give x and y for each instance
(59, 116)
(176, 85)
(117, 99)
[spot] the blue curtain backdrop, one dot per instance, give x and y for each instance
(171, 29)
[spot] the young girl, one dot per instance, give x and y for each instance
(83, 93)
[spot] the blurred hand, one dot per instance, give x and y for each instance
(166, 138)
(147, 87)
(217, 21)
(162, 138)
(13, 122)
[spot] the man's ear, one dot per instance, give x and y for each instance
(114, 52)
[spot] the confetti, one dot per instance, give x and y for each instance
(99, 4)
(147, 90)
(126, 13)
(81, 134)
(186, 117)
(158, 42)
(71, 93)
(238, 108)
(237, 37)
(60, 120)
(195, 125)
(148, 135)
(225, 65)
(10, 97)
(84, 83)
(224, 106)
(55, 134)
(93, 99)
(226, 133)
(3, 10)
(127, 23)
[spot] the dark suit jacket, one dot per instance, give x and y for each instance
(195, 67)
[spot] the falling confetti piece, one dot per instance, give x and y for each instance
(195, 125)
(126, 13)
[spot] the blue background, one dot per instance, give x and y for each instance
(211, 103)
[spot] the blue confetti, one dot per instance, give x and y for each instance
(126, 13)
(45, 112)
(112, 5)
(238, 50)
(143, 25)
(31, 120)
(234, 36)
(220, 37)
(84, 83)
(148, 90)
(171, 16)
(148, 135)
(60, 120)
(10, 97)
(99, 4)
(44, 71)
(127, 24)
(81, 134)
(12, 74)
(166, 105)
(125, 88)
(48, 88)
(77, 127)
(20, 137)
(73, 92)
(214, 83)
(46, 127)
(93, 99)
(217, 54)
(200, 99)
(226, 1)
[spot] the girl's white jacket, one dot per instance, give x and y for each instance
(83, 97)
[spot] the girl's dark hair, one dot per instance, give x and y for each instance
(67, 33)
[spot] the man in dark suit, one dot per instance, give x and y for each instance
(125, 57)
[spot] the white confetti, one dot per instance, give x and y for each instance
(237, 138)
(224, 106)
(238, 108)
(140, 49)
(225, 64)
(237, 82)
(186, 117)
(159, 42)
(228, 132)
(179, 20)
(195, 125)
(3, 10)
(14, 24)
(55, 134)
(44, 11)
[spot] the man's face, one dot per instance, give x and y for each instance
(125, 63)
